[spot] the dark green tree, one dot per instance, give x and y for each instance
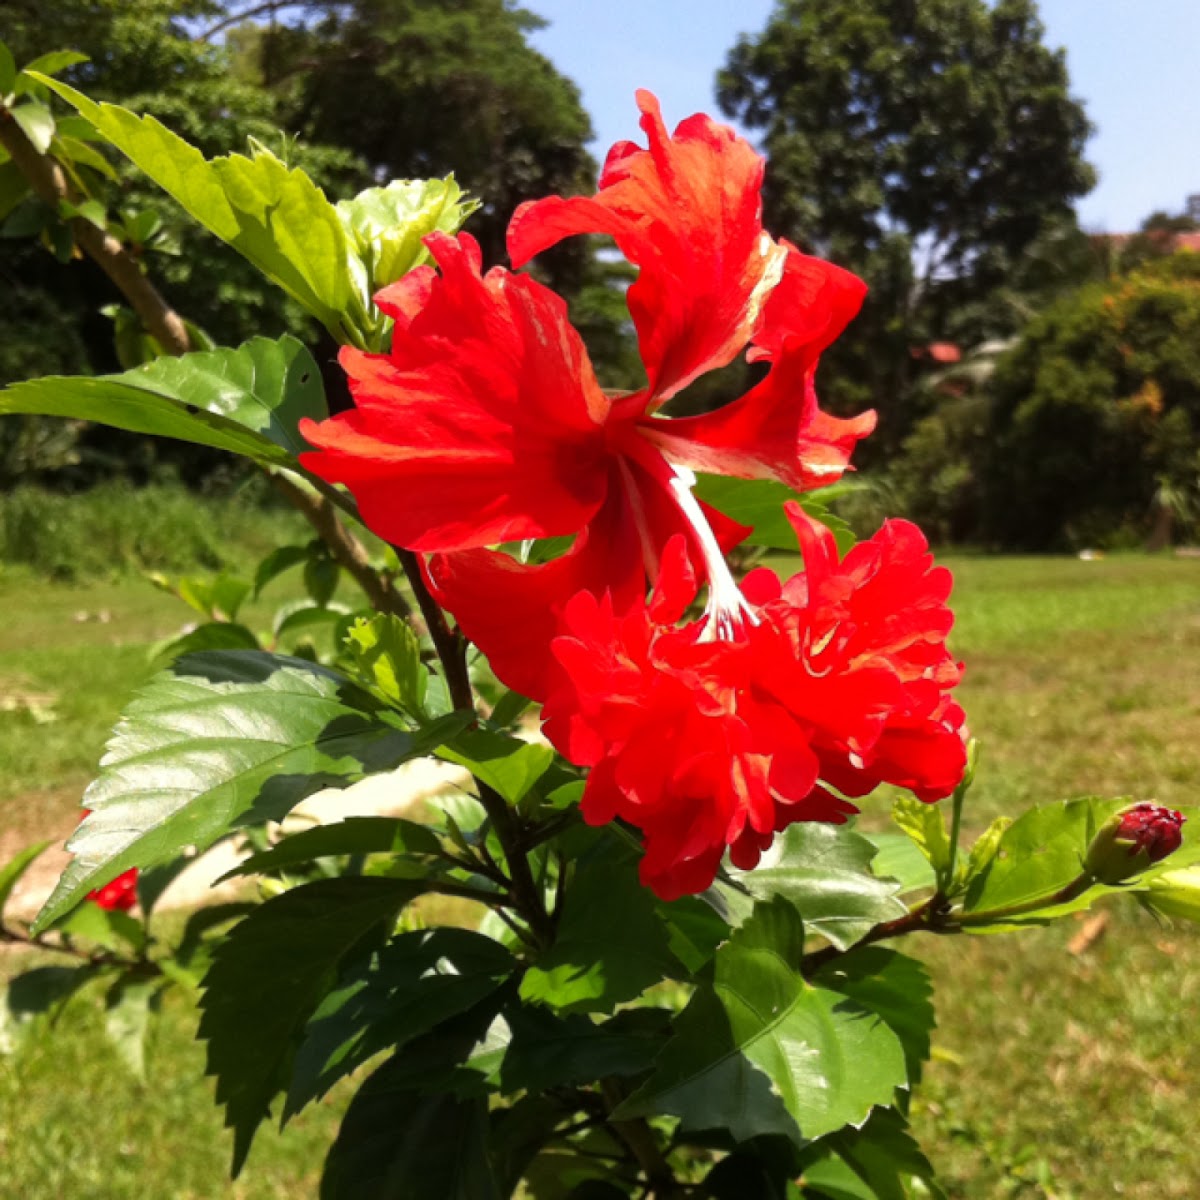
(924, 145)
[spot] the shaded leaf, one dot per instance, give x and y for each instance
(398, 993)
(268, 976)
(33, 994)
(247, 401)
(281, 559)
(128, 1006)
(219, 741)
(212, 635)
(611, 943)
(758, 1051)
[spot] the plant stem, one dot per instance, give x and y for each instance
(639, 1137)
(94, 958)
(49, 182)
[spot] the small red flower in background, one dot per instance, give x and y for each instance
(485, 422)
(118, 894)
(839, 679)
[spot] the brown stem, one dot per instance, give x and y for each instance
(50, 183)
(96, 958)
(347, 550)
(639, 1138)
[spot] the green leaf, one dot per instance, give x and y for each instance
(517, 1133)
(694, 930)
(33, 994)
(15, 868)
(219, 741)
(825, 871)
(548, 1051)
(213, 635)
(321, 575)
(128, 1006)
(758, 1051)
(926, 825)
(611, 943)
(386, 224)
(354, 835)
(393, 996)
(388, 656)
(36, 122)
(247, 401)
(111, 928)
(268, 976)
(281, 559)
(1040, 853)
(304, 615)
(759, 504)
(8, 70)
(892, 986)
(986, 846)
(883, 1154)
(509, 708)
(506, 764)
(80, 154)
(898, 858)
(274, 215)
(54, 62)
(398, 1144)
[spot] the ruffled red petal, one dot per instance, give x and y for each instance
(688, 212)
(483, 424)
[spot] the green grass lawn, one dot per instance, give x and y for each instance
(1068, 1077)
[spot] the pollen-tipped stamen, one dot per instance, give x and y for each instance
(727, 609)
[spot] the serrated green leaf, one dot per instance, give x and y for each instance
(694, 930)
(759, 504)
(386, 224)
(388, 655)
(825, 871)
(759, 1051)
(882, 1154)
(899, 859)
(397, 1144)
(15, 868)
(128, 1006)
(272, 214)
(268, 976)
(354, 835)
(213, 635)
(925, 824)
(386, 1000)
(303, 614)
(247, 401)
(611, 943)
(892, 986)
(36, 122)
(218, 741)
(506, 764)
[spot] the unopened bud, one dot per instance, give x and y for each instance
(1132, 839)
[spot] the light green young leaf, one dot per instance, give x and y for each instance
(274, 215)
(13, 870)
(1176, 893)
(36, 122)
(986, 847)
(388, 656)
(504, 763)
(248, 401)
(219, 741)
(386, 224)
(759, 1051)
(825, 871)
(926, 825)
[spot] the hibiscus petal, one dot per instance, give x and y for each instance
(485, 422)
(688, 212)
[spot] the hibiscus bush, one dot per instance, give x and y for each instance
(663, 962)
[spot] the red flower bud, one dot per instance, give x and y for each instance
(1132, 839)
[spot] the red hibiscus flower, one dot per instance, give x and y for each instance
(119, 893)
(485, 422)
(837, 681)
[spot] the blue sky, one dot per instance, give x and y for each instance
(1132, 63)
